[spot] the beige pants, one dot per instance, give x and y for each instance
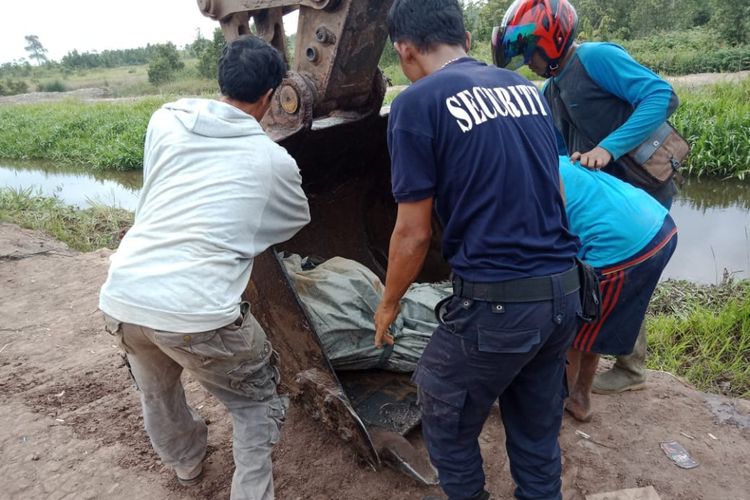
(238, 366)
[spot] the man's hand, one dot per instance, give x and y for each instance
(410, 242)
(385, 315)
(596, 159)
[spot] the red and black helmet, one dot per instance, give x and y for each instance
(544, 26)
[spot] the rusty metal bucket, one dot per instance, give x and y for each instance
(346, 175)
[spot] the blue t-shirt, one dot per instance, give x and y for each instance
(480, 140)
(613, 219)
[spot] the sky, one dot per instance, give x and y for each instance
(89, 25)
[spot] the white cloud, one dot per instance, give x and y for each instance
(88, 25)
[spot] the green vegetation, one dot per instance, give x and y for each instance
(120, 81)
(697, 50)
(165, 64)
(715, 120)
(85, 230)
(628, 20)
(13, 87)
(106, 135)
(53, 86)
(109, 135)
(673, 37)
(150, 70)
(74, 60)
(208, 54)
(702, 333)
(36, 50)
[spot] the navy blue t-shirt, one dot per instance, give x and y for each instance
(480, 140)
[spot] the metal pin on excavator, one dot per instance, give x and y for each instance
(327, 114)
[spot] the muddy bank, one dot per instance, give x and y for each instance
(70, 424)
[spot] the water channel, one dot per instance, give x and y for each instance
(713, 216)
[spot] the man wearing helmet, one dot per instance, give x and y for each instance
(476, 144)
(604, 104)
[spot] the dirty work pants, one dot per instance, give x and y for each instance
(482, 352)
(238, 366)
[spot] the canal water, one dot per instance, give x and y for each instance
(75, 187)
(713, 216)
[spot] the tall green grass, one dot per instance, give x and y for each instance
(716, 122)
(109, 135)
(681, 52)
(105, 135)
(83, 229)
(703, 334)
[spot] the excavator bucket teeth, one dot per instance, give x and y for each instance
(396, 451)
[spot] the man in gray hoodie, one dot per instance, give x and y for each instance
(217, 191)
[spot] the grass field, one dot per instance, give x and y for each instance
(105, 135)
(702, 333)
(82, 229)
(716, 122)
(123, 81)
(109, 135)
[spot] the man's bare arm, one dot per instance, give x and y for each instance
(410, 242)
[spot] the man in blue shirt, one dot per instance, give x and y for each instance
(476, 144)
(628, 237)
(604, 104)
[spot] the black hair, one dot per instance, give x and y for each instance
(427, 23)
(249, 67)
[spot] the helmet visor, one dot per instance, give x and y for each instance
(513, 46)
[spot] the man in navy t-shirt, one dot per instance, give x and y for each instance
(477, 144)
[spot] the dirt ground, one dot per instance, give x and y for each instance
(70, 423)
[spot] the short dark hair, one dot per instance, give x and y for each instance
(426, 23)
(249, 67)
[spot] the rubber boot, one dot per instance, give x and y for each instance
(628, 373)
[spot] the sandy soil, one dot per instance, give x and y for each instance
(689, 81)
(700, 79)
(70, 424)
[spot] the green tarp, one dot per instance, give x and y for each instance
(341, 295)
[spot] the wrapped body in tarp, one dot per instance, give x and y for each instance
(340, 297)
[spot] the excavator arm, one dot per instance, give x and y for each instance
(334, 72)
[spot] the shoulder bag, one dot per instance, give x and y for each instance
(659, 158)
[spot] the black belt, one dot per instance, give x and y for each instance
(523, 290)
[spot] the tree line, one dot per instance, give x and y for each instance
(718, 39)
(628, 19)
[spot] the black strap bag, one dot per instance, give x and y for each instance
(591, 296)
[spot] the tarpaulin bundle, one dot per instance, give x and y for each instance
(340, 297)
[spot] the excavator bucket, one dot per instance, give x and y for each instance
(327, 114)
(346, 175)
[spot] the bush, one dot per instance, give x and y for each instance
(13, 87)
(165, 64)
(697, 50)
(54, 86)
(715, 122)
(209, 54)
